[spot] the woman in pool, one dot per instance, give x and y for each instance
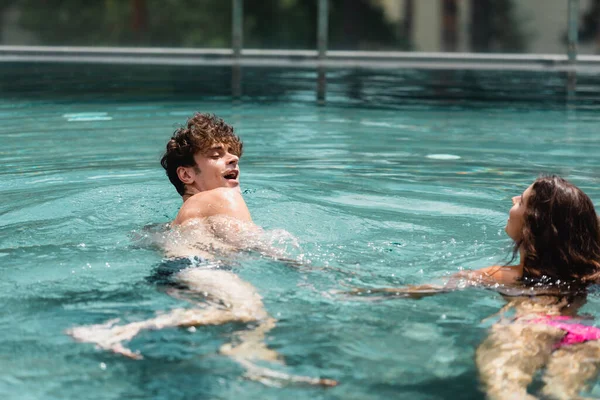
(556, 233)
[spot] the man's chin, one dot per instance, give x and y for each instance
(232, 183)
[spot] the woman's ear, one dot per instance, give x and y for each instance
(187, 175)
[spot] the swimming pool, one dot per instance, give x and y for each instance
(386, 187)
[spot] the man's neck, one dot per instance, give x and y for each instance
(189, 192)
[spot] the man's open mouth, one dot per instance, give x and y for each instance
(233, 174)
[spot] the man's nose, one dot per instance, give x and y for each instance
(233, 159)
(515, 199)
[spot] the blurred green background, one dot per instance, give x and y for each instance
(533, 26)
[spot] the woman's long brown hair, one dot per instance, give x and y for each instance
(561, 234)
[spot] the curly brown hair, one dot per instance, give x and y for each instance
(199, 134)
(561, 234)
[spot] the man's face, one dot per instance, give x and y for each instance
(216, 168)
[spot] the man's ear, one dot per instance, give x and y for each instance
(186, 175)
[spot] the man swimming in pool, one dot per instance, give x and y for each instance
(201, 161)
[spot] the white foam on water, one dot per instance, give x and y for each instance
(210, 239)
(47, 180)
(443, 156)
(376, 123)
(135, 108)
(87, 116)
(80, 119)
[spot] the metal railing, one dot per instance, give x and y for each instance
(299, 58)
(320, 59)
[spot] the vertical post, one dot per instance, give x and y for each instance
(323, 28)
(406, 28)
(573, 31)
(237, 27)
(449, 25)
(237, 40)
(322, 36)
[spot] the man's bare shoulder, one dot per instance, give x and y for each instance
(219, 201)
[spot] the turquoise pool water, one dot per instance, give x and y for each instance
(384, 194)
